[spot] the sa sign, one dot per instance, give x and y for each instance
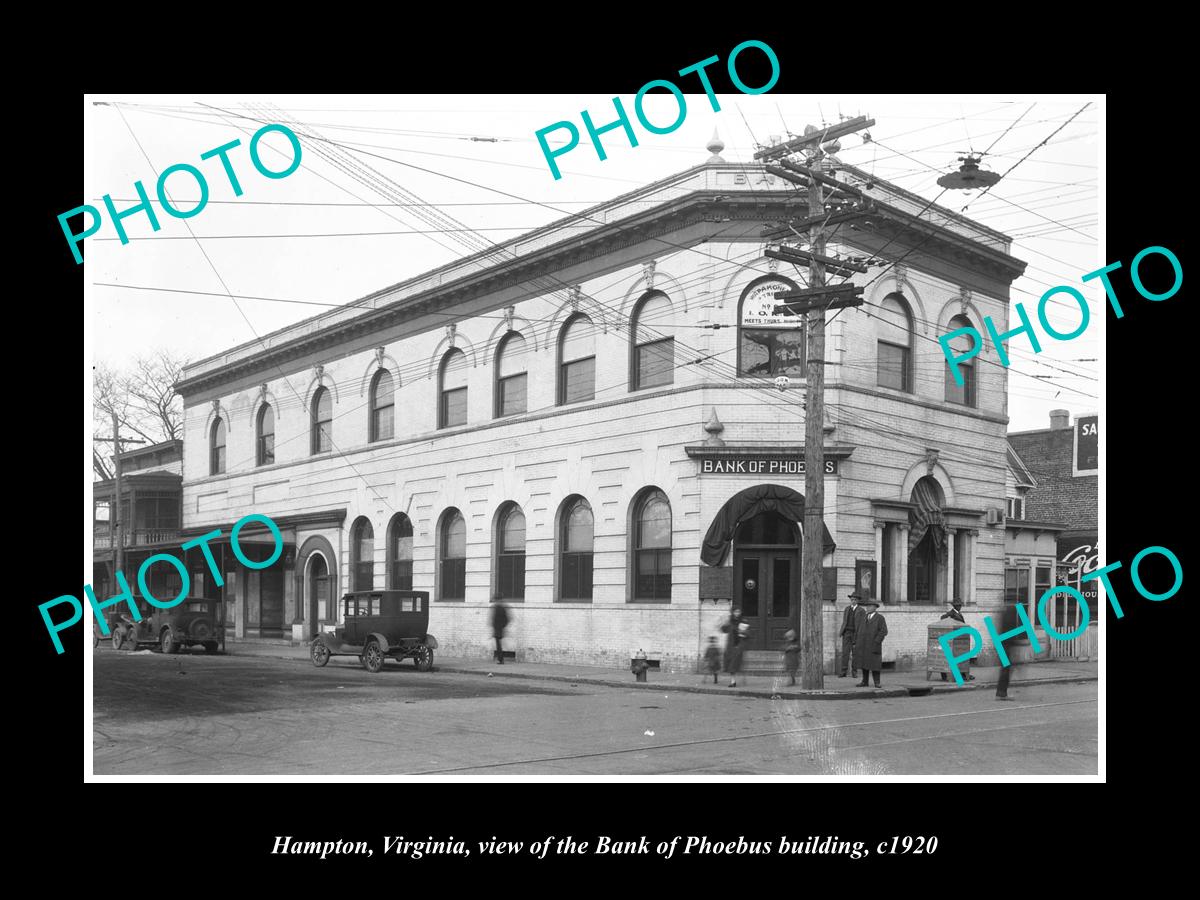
(1086, 458)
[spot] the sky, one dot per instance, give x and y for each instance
(321, 237)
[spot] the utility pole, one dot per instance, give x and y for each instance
(118, 530)
(807, 614)
(812, 653)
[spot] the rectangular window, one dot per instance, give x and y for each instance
(454, 407)
(1043, 580)
(384, 423)
(266, 449)
(103, 515)
(322, 438)
(773, 352)
(1016, 586)
(962, 574)
(402, 575)
(653, 577)
(577, 576)
(513, 394)
(454, 579)
(511, 576)
(893, 366)
(964, 395)
(579, 380)
(655, 364)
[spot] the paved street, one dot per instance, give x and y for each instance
(193, 714)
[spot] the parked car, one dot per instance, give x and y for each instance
(194, 621)
(378, 625)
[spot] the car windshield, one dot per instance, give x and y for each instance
(202, 608)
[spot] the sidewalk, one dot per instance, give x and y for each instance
(895, 684)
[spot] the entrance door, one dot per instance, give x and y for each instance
(767, 578)
(270, 587)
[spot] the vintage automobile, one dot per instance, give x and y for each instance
(194, 621)
(379, 624)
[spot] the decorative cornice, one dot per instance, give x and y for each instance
(717, 207)
(300, 520)
(785, 451)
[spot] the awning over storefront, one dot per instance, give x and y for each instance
(746, 505)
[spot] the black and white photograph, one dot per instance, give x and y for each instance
(698, 433)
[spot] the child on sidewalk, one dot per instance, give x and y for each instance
(712, 658)
(791, 655)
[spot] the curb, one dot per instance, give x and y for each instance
(865, 694)
(919, 690)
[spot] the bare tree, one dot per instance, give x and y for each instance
(156, 411)
(144, 401)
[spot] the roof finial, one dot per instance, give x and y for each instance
(715, 146)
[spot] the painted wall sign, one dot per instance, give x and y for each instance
(1086, 458)
(760, 309)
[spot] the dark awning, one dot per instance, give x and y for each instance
(746, 505)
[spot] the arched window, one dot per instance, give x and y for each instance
(577, 360)
(927, 544)
(264, 431)
(400, 553)
(770, 336)
(362, 556)
(894, 344)
(653, 345)
(217, 442)
(511, 377)
(510, 553)
(575, 558)
(322, 421)
(383, 405)
(652, 548)
(452, 390)
(452, 548)
(964, 393)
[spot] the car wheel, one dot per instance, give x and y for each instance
(210, 647)
(118, 638)
(423, 659)
(372, 656)
(319, 653)
(168, 642)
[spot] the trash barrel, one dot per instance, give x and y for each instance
(935, 657)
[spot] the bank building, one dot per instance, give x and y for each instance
(585, 422)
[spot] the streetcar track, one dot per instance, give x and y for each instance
(743, 737)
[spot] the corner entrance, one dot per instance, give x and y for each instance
(766, 564)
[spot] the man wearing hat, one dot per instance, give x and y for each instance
(955, 611)
(851, 619)
(868, 642)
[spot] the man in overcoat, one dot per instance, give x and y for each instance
(851, 618)
(868, 642)
(499, 618)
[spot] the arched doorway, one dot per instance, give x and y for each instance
(317, 580)
(316, 588)
(766, 577)
(760, 523)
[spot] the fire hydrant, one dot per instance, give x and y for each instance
(639, 665)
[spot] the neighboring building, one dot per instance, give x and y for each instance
(1052, 494)
(150, 487)
(584, 422)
